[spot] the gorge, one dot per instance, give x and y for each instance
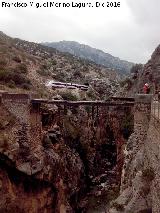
(58, 151)
(94, 149)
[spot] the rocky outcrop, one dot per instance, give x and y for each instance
(104, 87)
(149, 73)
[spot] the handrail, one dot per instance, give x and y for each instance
(78, 103)
(155, 111)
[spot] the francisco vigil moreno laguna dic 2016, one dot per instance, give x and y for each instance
(60, 4)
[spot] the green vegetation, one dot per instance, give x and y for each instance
(91, 94)
(12, 78)
(127, 82)
(3, 63)
(42, 93)
(43, 72)
(77, 74)
(68, 96)
(53, 62)
(13, 74)
(21, 68)
(60, 76)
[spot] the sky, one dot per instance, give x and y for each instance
(130, 32)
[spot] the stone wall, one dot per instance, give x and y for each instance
(18, 105)
(26, 131)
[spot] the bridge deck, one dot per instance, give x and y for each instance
(79, 103)
(129, 99)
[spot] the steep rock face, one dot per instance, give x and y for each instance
(46, 177)
(57, 162)
(99, 132)
(98, 136)
(21, 193)
(135, 195)
(149, 74)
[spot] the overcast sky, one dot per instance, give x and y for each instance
(130, 32)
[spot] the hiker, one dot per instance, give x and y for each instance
(146, 88)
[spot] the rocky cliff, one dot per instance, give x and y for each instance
(35, 177)
(149, 73)
(140, 178)
(56, 157)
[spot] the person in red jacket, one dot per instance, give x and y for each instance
(146, 89)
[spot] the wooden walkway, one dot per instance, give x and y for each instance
(116, 102)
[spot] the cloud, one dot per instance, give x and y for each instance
(147, 30)
(130, 32)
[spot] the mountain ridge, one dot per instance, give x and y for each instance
(95, 55)
(28, 66)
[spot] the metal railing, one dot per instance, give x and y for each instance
(121, 102)
(155, 110)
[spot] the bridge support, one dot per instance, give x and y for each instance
(142, 112)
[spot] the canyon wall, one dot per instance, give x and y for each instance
(51, 156)
(140, 180)
(34, 178)
(152, 163)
